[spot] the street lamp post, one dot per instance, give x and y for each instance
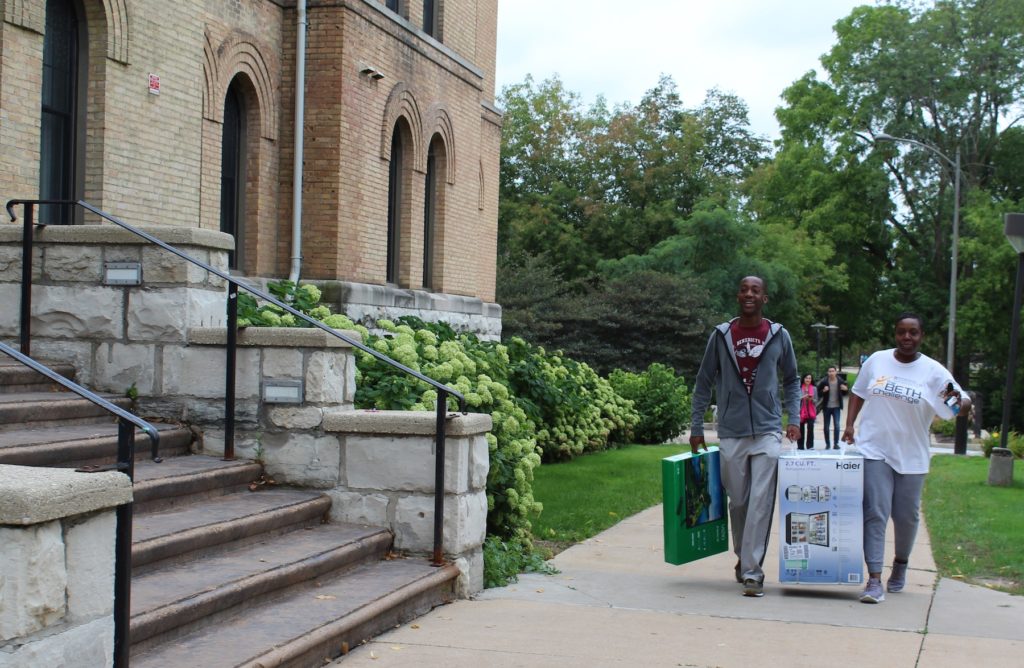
(832, 330)
(817, 327)
(1014, 231)
(954, 259)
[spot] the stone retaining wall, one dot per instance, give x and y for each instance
(388, 474)
(115, 336)
(57, 534)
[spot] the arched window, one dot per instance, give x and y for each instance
(395, 177)
(61, 146)
(232, 173)
(433, 213)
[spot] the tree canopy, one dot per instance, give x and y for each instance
(622, 229)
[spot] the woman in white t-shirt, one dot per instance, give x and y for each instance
(897, 394)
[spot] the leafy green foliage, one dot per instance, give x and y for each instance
(504, 561)
(1014, 442)
(304, 298)
(575, 409)
(660, 397)
(538, 403)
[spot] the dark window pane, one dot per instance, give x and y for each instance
(58, 112)
(428, 17)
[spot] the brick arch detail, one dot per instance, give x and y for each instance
(211, 75)
(118, 24)
(482, 188)
(30, 14)
(402, 104)
(239, 54)
(438, 122)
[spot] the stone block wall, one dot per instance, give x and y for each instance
(387, 479)
(289, 439)
(57, 535)
(114, 335)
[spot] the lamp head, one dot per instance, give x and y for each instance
(1014, 230)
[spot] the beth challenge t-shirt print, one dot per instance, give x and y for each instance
(747, 346)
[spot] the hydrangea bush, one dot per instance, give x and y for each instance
(541, 404)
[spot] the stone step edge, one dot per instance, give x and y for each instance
(62, 407)
(194, 483)
(227, 531)
(173, 441)
(317, 641)
(151, 623)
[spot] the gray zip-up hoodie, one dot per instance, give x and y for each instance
(741, 414)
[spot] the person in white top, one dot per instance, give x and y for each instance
(897, 394)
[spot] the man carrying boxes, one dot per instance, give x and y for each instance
(743, 361)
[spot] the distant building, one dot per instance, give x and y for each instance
(183, 113)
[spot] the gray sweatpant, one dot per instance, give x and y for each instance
(750, 472)
(889, 494)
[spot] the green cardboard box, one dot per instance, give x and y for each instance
(695, 509)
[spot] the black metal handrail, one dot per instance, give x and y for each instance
(443, 391)
(126, 424)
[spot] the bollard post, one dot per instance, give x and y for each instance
(960, 436)
(1000, 467)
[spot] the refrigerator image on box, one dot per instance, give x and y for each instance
(821, 518)
(809, 528)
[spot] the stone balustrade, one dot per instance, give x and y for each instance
(167, 338)
(57, 536)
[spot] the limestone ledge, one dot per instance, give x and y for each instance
(283, 337)
(111, 234)
(32, 495)
(404, 422)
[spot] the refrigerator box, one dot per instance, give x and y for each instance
(821, 536)
(694, 506)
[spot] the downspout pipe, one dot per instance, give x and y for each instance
(299, 134)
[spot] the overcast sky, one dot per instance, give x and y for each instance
(753, 48)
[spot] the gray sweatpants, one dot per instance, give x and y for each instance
(750, 472)
(889, 494)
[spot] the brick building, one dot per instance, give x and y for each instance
(184, 113)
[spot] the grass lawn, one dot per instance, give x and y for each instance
(587, 495)
(977, 531)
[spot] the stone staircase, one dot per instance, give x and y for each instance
(223, 575)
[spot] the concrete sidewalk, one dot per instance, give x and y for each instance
(617, 603)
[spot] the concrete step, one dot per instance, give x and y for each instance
(52, 444)
(16, 377)
(191, 530)
(23, 408)
(169, 601)
(180, 480)
(312, 622)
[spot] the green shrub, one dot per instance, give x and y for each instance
(504, 561)
(660, 397)
(1014, 441)
(537, 402)
(576, 410)
(944, 428)
(479, 371)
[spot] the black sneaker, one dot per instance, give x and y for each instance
(752, 587)
(739, 573)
